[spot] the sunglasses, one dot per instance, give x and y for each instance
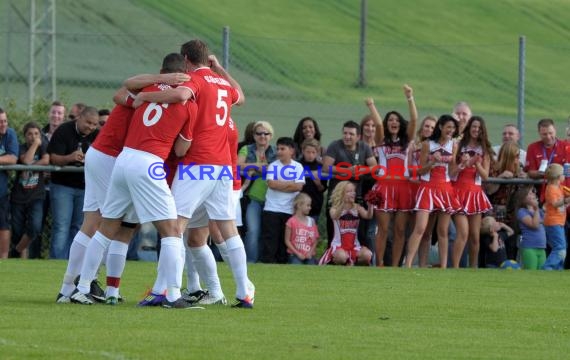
(262, 133)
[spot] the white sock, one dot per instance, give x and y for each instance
(168, 265)
(76, 255)
(116, 258)
(205, 264)
(91, 261)
(223, 249)
(238, 264)
(181, 262)
(192, 278)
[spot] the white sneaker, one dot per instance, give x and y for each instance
(210, 299)
(62, 299)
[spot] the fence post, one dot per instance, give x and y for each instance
(362, 50)
(226, 47)
(520, 105)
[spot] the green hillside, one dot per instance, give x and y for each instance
(301, 58)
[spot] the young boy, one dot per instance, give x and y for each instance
(493, 237)
(555, 217)
(285, 179)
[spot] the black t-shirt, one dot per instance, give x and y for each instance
(310, 188)
(340, 154)
(64, 141)
(29, 185)
(495, 259)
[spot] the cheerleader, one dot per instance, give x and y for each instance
(424, 132)
(471, 165)
(435, 194)
(345, 213)
(392, 191)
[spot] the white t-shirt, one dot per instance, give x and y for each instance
(280, 201)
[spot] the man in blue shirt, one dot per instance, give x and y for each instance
(9, 148)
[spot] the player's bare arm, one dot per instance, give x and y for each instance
(167, 96)
(219, 69)
(181, 146)
(138, 82)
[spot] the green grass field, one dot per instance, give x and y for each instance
(300, 312)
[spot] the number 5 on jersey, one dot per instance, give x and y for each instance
(222, 104)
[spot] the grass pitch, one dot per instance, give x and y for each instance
(300, 312)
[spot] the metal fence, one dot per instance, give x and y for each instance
(90, 64)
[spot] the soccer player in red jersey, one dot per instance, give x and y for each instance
(135, 183)
(215, 91)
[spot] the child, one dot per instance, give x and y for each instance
(345, 248)
(284, 180)
(301, 232)
(533, 236)
(28, 193)
(493, 237)
(555, 217)
(314, 187)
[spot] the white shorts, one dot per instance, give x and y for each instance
(215, 193)
(132, 187)
(98, 166)
(200, 216)
(237, 196)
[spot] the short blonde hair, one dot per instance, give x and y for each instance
(300, 199)
(486, 225)
(265, 124)
(553, 172)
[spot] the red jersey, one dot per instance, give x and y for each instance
(557, 154)
(155, 127)
(111, 137)
(214, 96)
(233, 138)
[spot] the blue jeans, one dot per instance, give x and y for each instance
(556, 239)
(27, 219)
(67, 216)
(253, 221)
(294, 260)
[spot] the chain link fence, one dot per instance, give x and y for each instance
(286, 79)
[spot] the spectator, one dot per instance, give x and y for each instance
(548, 150)
(462, 113)
(28, 191)
(8, 156)
(501, 195)
(285, 181)
(301, 232)
(555, 217)
(103, 116)
(493, 237)
(67, 147)
(306, 129)
(511, 133)
(255, 156)
(56, 116)
(314, 186)
(344, 156)
(75, 111)
(345, 249)
(530, 222)
(248, 136)
(471, 166)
